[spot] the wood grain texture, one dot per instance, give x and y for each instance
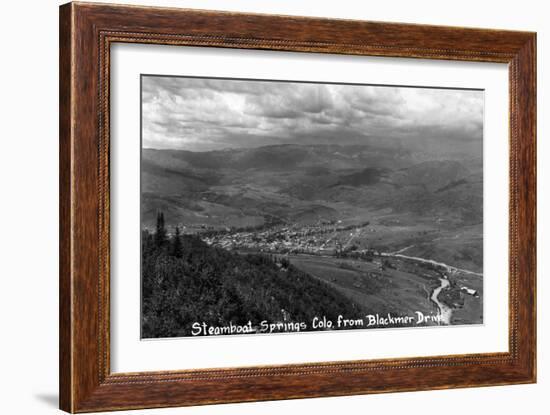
(86, 33)
(65, 246)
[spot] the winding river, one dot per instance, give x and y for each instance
(444, 310)
(448, 268)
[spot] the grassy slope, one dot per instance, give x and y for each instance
(392, 290)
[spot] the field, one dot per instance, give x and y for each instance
(377, 291)
(391, 285)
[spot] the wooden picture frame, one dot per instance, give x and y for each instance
(86, 33)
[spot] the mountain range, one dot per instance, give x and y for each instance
(304, 183)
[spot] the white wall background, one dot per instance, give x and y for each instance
(29, 208)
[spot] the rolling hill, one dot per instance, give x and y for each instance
(241, 187)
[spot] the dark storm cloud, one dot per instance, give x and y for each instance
(204, 114)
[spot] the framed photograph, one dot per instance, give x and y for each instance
(258, 207)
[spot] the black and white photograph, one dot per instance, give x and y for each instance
(275, 206)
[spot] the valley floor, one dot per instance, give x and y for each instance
(400, 286)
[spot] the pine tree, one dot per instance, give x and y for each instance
(160, 235)
(177, 247)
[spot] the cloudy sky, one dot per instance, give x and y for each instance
(206, 114)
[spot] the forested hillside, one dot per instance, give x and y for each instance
(185, 281)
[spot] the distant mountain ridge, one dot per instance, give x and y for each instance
(237, 187)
